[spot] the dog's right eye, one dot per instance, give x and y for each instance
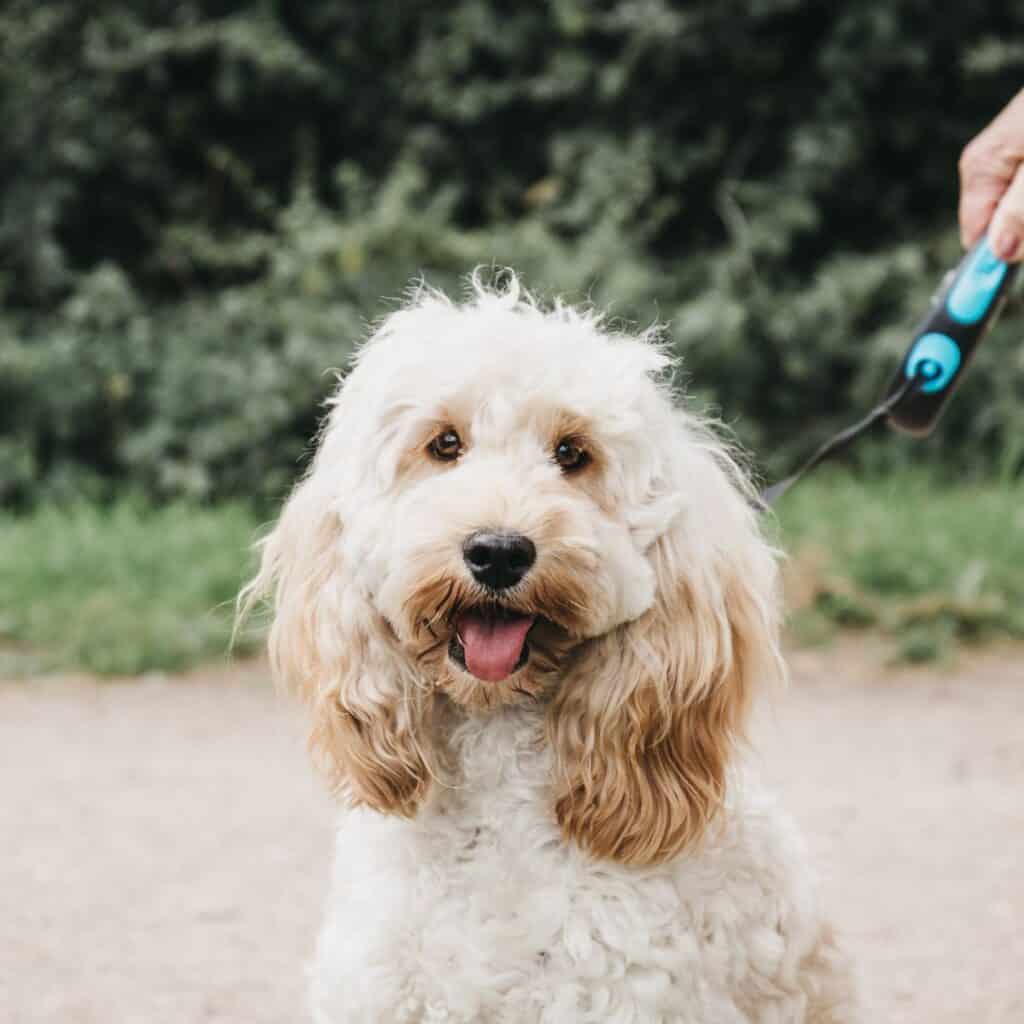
(446, 447)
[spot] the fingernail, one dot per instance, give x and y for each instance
(1006, 246)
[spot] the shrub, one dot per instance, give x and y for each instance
(202, 202)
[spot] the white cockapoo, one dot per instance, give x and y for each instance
(529, 604)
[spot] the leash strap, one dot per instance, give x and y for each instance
(842, 440)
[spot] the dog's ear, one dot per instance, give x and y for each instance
(644, 727)
(328, 645)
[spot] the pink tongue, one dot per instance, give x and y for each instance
(493, 646)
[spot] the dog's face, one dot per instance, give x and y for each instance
(497, 527)
(505, 507)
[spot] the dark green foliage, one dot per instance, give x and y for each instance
(201, 202)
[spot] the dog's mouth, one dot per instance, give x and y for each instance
(491, 641)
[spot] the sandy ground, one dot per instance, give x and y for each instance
(165, 845)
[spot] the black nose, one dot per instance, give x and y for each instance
(498, 560)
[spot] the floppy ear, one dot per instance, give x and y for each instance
(370, 719)
(644, 727)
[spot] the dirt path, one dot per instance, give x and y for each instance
(165, 846)
(910, 789)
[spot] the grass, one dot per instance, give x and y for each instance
(931, 566)
(120, 590)
(130, 589)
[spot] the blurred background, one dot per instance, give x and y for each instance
(203, 203)
(202, 206)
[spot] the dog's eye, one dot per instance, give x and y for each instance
(446, 447)
(570, 455)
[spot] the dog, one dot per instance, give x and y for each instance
(526, 597)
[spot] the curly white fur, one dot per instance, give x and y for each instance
(579, 841)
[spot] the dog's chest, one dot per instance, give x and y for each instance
(480, 901)
(490, 842)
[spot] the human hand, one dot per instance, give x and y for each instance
(992, 184)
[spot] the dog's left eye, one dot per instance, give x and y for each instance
(446, 447)
(570, 455)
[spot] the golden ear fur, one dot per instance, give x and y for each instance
(369, 730)
(644, 728)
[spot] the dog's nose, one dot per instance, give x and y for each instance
(498, 560)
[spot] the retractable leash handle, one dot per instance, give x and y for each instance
(962, 313)
(963, 310)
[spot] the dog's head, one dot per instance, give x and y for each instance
(504, 506)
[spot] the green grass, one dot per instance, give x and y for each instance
(929, 565)
(120, 590)
(130, 589)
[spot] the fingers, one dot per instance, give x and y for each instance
(988, 167)
(1006, 231)
(983, 180)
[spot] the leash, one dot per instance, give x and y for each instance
(843, 439)
(963, 310)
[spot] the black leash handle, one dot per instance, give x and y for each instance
(962, 312)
